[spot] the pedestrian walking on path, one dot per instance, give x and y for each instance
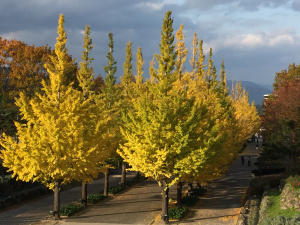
(243, 160)
(249, 162)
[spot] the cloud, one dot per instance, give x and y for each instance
(296, 5)
(253, 41)
(246, 5)
(241, 31)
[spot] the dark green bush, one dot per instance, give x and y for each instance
(23, 196)
(189, 200)
(256, 172)
(257, 184)
(129, 183)
(93, 198)
(70, 209)
(12, 186)
(199, 192)
(115, 189)
(177, 214)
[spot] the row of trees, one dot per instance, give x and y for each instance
(281, 115)
(178, 126)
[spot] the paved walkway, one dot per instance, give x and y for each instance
(36, 211)
(223, 201)
(141, 204)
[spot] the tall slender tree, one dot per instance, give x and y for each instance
(111, 95)
(160, 129)
(181, 52)
(60, 141)
(126, 84)
(85, 77)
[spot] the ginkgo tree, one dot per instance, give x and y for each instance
(161, 129)
(64, 136)
(111, 97)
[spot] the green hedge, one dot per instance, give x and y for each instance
(8, 186)
(198, 192)
(70, 209)
(23, 197)
(93, 198)
(189, 200)
(177, 214)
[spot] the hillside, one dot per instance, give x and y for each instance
(256, 91)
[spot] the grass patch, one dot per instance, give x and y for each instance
(274, 210)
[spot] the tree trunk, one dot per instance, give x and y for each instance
(190, 186)
(165, 201)
(56, 205)
(179, 194)
(137, 175)
(106, 183)
(123, 178)
(84, 193)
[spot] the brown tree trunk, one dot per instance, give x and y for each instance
(123, 178)
(165, 201)
(84, 193)
(56, 205)
(137, 175)
(106, 183)
(190, 186)
(179, 194)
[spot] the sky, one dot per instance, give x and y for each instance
(256, 38)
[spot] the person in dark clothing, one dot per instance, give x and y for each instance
(242, 159)
(249, 163)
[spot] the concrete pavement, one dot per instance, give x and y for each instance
(141, 204)
(36, 211)
(222, 203)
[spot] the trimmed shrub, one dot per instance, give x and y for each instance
(70, 209)
(115, 189)
(199, 192)
(23, 196)
(189, 200)
(93, 198)
(177, 214)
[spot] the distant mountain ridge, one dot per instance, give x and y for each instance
(256, 91)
